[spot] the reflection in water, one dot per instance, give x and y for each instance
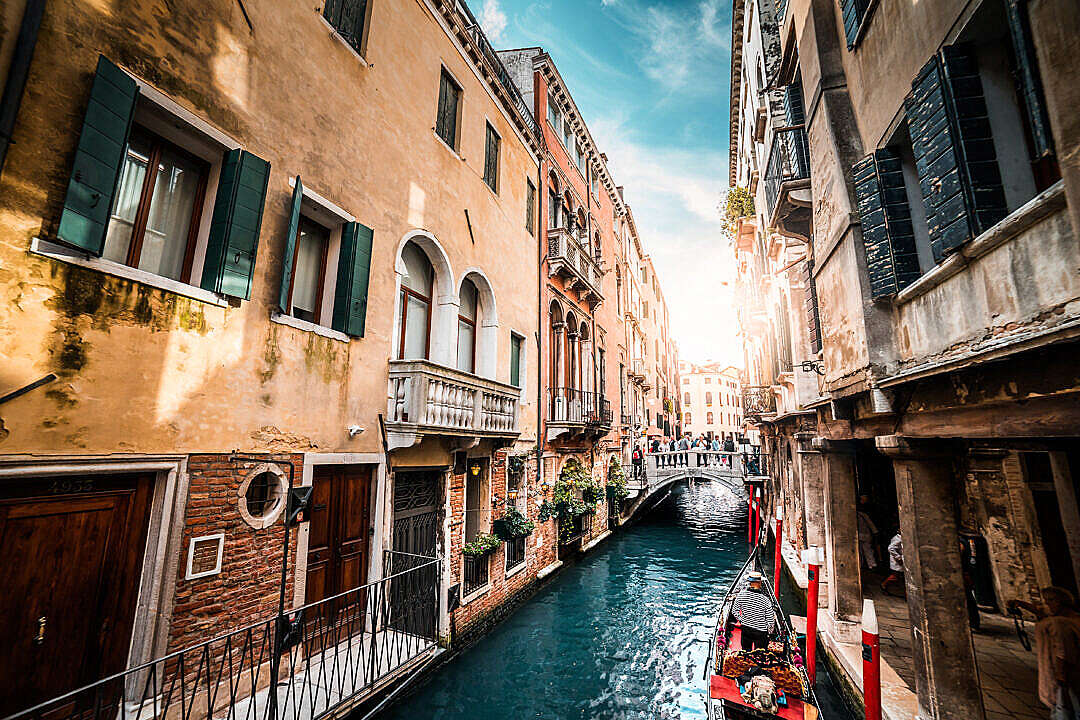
(623, 634)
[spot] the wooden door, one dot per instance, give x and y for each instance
(338, 539)
(74, 550)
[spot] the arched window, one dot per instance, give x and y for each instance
(415, 302)
(570, 380)
(708, 418)
(468, 312)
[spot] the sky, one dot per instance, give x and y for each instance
(651, 78)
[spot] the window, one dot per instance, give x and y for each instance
(554, 116)
(708, 380)
(686, 417)
(686, 381)
(476, 521)
(349, 18)
(708, 418)
(446, 121)
(139, 196)
(491, 159)
(468, 311)
(309, 270)
(686, 398)
(530, 207)
(517, 343)
(155, 215)
(708, 398)
(854, 14)
(416, 286)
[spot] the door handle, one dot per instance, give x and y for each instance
(39, 639)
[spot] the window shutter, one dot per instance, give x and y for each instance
(234, 228)
(354, 267)
(853, 11)
(290, 247)
(794, 111)
(1027, 72)
(813, 317)
(98, 158)
(892, 261)
(954, 150)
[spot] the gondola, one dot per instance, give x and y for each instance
(731, 670)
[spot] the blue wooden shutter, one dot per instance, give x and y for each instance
(794, 112)
(98, 159)
(954, 150)
(354, 268)
(853, 12)
(891, 259)
(234, 227)
(1027, 77)
(813, 315)
(290, 247)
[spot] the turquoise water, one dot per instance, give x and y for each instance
(623, 634)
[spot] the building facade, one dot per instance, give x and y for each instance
(711, 400)
(910, 289)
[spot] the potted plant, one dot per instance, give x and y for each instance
(616, 481)
(482, 544)
(513, 524)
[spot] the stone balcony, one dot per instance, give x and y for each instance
(567, 258)
(428, 399)
(574, 412)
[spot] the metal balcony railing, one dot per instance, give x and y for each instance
(568, 258)
(789, 160)
(758, 400)
(324, 655)
(573, 406)
(476, 573)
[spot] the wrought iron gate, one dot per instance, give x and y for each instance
(415, 537)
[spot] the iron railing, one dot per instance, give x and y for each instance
(789, 160)
(325, 654)
(758, 400)
(515, 552)
(575, 528)
(499, 70)
(475, 573)
(570, 405)
(348, 18)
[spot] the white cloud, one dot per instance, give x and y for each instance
(493, 20)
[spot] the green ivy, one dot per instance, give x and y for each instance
(564, 503)
(483, 544)
(513, 524)
(616, 481)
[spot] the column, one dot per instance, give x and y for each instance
(946, 677)
(1070, 511)
(842, 538)
(811, 489)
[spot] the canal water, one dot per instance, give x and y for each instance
(621, 635)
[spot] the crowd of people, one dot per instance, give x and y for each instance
(675, 451)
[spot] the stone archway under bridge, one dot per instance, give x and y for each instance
(662, 470)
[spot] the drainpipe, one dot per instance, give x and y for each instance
(18, 72)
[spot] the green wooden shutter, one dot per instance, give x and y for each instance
(794, 112)
(813, 316)
(892, 261)
(354, 268)
(98, 159)
(853, 12)
(1027, 76)
(234, 227)
(954, 150)
(515, 361)
(290, 247)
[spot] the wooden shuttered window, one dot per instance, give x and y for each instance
(290, 247)
(446, 120)
(234, 228)
(491, 159)
(1029, 85)
(98, 158)
(853, 13)
(530, 207)
(348, 18)
(813, 315)
(354, 268)
(954, 150)
(892, 261)
(794, 110)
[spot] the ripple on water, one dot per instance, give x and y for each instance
(622, 635)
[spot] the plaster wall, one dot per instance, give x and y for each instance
(142, 369)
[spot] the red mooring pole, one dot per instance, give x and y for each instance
(779, 542)
(750, 516)
(871, 656)
(812, 558)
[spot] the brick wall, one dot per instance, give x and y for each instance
(246, 590)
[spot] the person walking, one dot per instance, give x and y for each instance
(868, 533)
(638, 461)
(1057, 633)
(684, 445)
(896, 563)
(754, 611)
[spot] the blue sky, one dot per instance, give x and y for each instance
(651, 78)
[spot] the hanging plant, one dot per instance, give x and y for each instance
(482, 544)
(515, 465)
(513, 524)
(616, 481)
(565, 503)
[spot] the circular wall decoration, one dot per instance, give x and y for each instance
(261, 496)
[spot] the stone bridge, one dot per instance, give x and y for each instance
(661, 470)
